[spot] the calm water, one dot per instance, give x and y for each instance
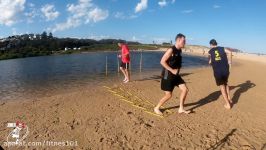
(40, 76)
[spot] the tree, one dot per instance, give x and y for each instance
(44, 35)
(50, 35)
(29, 45)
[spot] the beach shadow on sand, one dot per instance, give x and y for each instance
(210, 98)
(158, 77)
(263, 147)
(222, 141)
(153, 77)
(242, 88)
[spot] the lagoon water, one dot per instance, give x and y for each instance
(40, 76)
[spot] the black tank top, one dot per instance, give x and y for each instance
(175, 62)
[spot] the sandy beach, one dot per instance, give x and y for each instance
(104, 116)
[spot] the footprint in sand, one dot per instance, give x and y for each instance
(73, 124)
(209, 140)
(57, 120)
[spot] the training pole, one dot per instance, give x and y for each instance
(140, 63)
(106, 66)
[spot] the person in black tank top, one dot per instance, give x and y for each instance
(221, 65)
(172, 63)
(175, 62)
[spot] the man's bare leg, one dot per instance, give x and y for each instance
(124, 73)
(166, 97)
(225, 96)
(228, 94)
(183, 95)
(127, 75)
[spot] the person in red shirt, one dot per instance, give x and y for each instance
(125, 60)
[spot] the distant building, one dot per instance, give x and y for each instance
(31, 36)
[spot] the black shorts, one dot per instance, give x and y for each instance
(124, 65)
(221, 79)
(169, 84)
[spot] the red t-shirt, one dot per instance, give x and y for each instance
(125, 50)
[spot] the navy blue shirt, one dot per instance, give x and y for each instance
(219, 61)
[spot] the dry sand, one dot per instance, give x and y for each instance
(98, 119)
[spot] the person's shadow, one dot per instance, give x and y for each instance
(222, 142)
(242, 88)
(208, 99)
(263, 147)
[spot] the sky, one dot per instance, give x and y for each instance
(233, 23)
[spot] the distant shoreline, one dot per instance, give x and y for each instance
(189, 50)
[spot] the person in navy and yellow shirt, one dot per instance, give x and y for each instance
(221, 69)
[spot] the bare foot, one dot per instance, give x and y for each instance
(230, 101)
(180, 111)
(227, 106)
(157, 111)
(126, 81)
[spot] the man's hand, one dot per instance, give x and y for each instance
(174, 71)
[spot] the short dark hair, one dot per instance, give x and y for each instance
(213, 42)
(180, 35)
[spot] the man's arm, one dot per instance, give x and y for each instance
(125, 55)
(164, 59)
(209, 58)
(229, 55)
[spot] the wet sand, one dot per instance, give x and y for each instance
(100, 118)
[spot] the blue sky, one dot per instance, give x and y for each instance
(234, 23)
